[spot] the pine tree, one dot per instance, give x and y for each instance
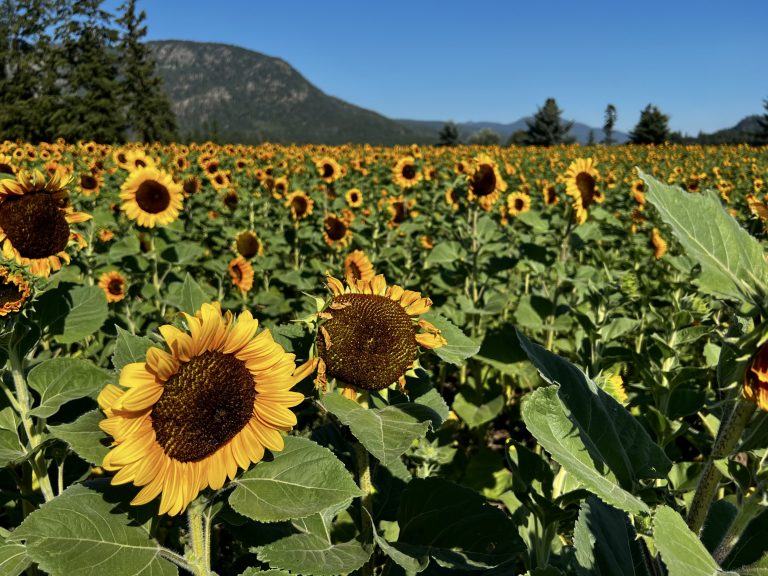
(610, 122)
(761, 137)
(147, 108)
(546, 128)
(653, 127)
(449, 135)
(90, 107)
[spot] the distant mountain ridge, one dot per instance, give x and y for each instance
(232, 94)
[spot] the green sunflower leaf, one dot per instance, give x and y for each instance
(73, 314)
(187, 296)
(84, 436)
(303, 479)
(385, 432)
(732, 261)
(459, 347)
(13, 558)
(313, 554)
(60, 380)
(256, 572)
(11, 448)
(129, 348)
(79, 533)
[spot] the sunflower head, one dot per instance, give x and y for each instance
(248, 245)
(188, 417)
(114, 286)
(354, 198)
(328, 169)
(241, 274)
(34, 220)
(756, 381)
(405, 174)
(336, 232)
(300, 204)
(372, 333)
(485, 182)
(581, 185)
(357, 266)
(518, 203)
(14, 291)
(151, 197)
(658, 244)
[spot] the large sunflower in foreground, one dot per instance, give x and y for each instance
(151, 197)
(188, 418)
(35, 219)
(371, 334)
(14, 292)
(581, 184)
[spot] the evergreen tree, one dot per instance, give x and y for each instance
(449, 135)
(147, 109)
(653, 127)
(484, 137)
(90, 107)
(546, 128)
(761, 137)
(610, 122)
(518, 138)
(591, 138)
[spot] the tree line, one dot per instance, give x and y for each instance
(547, 128)
(70, 69)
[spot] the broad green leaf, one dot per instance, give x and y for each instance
(79, 533)
(256, 572)
(606, 543)
(682, 552)
(732, 262)
(84, 436)
(387, 432)
(409, 560)
(76, 314)
(475, 415)
(617, 328)
(60, 380)
(11, 448)
(547, 419)
(13, 558)
(128, 246)
(129, 348)
(459, 347)
(455, 526)
(182, 253)
(187, 296)
(610, 433)
(312, 554)
(759, 568)
(444, 253)
(303, 479)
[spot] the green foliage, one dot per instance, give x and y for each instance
(610, 122)
(546, 127)
(484, 137)
(449, 135)
(652, 128)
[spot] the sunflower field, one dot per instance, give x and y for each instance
(279, 360)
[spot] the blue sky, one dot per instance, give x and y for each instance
(705, 63)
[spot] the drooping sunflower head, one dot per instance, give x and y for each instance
(151, 197)
(485, 181)
(581, 185)
(247, 244)
(188, 417)
(372, 333)
(241, 274)
(300, 204)
(357, 266)
(354, 197)
(518, 203)
(14, 291)
(114, 286)
(34, 220)
(336, 231)
(405, 173)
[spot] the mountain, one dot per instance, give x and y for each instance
(742, 133)
(430, 129)
(237, 95)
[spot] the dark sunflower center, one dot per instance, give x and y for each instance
(153, 197)
(335, 228)
(327, 170)
(409, 172)
(34, 224)
(484, 180)
(9, 293)
(6, 168)
(586, 184)
(204, 405)
(238, 273)
(519, 204)
(230, 200)
(88, 182)
(354, 271)
(115, 287)
(299, 205)
(247, 245)
(190, 185)
(354, 197)
(372, 341)
(400, 214)
(139, 163)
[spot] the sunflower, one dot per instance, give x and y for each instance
(114, 285)
(248, 245)
(280, 187)
(658, 243)
(370, 337)
(241, 273)
(35, 219)
(638, 192)
(399, 210)
(328, 169)
(518, 203)
(6, 165)
(549, 191)
(756, 380)
(581, 185)
(191, 185)
(138, 159)
(336, 232)
(89, 183)
(14, 292)
(357, 266)
(405, 174)
(354, 197)
(188, 418)
(485, 182)
(300, 204)
(151, 197)
(106, 235)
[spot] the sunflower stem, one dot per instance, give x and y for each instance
(727, 436)
(366, 502)
(197, 553)
(750, 508)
